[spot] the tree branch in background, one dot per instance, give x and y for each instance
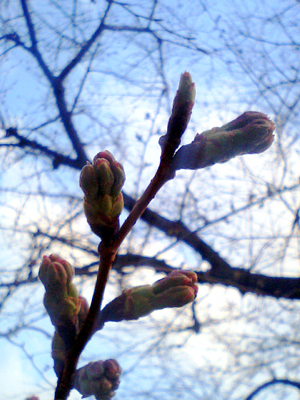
(271, 383)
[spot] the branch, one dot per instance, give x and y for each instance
(57, 158)
(34, 43)
(57, 86)
(273, 382)
(86, 47)
(221, 271)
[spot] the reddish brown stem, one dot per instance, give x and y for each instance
(161, 177)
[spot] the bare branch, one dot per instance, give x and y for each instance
(271, 383)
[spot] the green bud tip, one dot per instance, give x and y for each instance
(186, 90)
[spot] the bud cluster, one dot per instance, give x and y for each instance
(175, 290)
(101, 183)
(67, 310)
(99, 379)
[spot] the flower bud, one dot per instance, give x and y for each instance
(112, 369)
(251, 132)
(100, 379)
(101, 183)
(105, 176)
(175, 278)
(175, 290)
(55, 269)
(181, 113)
(186, 91)
(88, 181)
(54, 277)
(94, 370)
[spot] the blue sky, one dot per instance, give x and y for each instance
(113, 115)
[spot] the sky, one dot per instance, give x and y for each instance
(221, 95)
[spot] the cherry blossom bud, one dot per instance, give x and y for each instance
(182, 105)
(55, 275)
(88, 181)
(101, 183)
(105, 176)
(181, 113)
(251, 132)
(175, 290)
(100, 379)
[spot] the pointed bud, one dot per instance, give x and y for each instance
(181, 114)
(177, 296)
(112, 369)
(175, 278)
(251, 132)
(56, 275)
(186, 91)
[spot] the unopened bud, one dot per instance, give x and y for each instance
(54, 277)
(105, 176)
(103, 202)
(175, 290)
(186, 91)
(88, 181)
(181, 113)
(112, 369)
(251, 132)
(100, 379)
